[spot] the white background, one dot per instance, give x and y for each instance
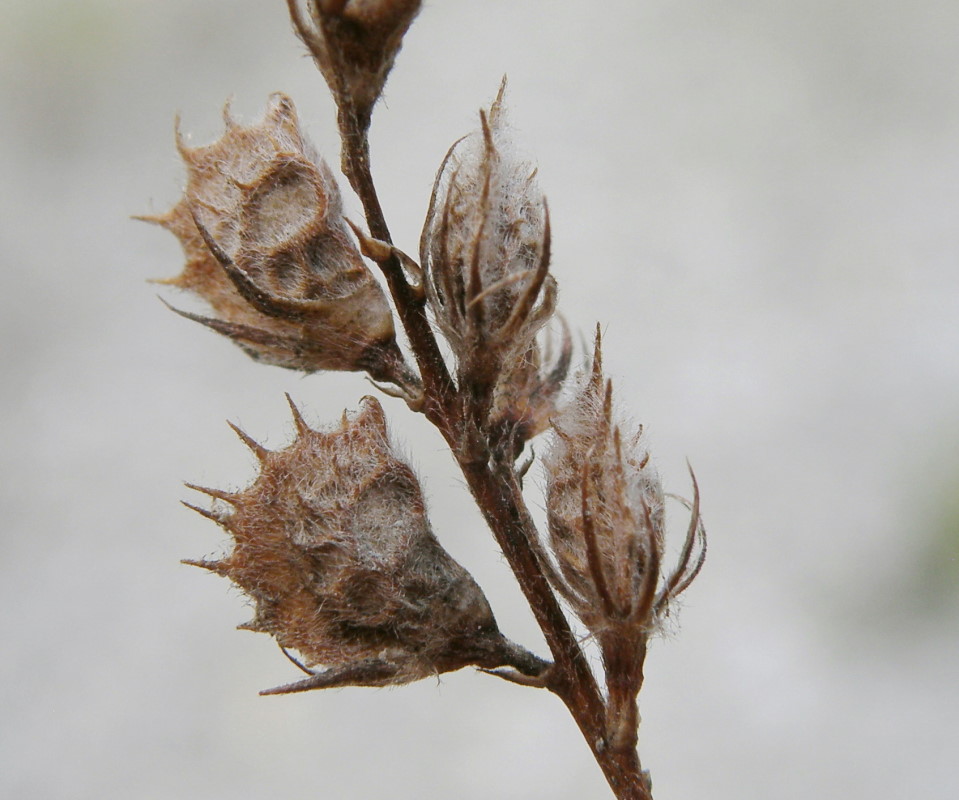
(760, 202)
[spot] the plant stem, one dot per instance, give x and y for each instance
(499, 498)
(493, 483)
(438, 387)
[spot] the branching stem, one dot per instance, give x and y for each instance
(494, 485)
(438, 386)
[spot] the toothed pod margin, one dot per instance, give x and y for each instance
(332, 544)
(266, 245)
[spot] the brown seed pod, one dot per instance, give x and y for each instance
(525, 396)
(354, 43)
(485, 245)
(606, 514)
(333, 545)
(485, 251)
(266, 245)
(606, 519)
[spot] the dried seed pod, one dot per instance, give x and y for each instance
(606, 519)
(485, 249)
(525, 397)
(261, 224)
(354, 43)
(333, 545)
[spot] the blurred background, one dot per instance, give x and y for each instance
(758, 200)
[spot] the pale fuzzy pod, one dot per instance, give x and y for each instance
(262, 227)
(606, 517)
(333, 545)
(605, 510)
(485, 247)
(606, 521)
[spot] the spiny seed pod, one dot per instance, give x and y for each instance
(354, 43)
(261, 224)
(333, 545)
(485, 249)
(606, 519)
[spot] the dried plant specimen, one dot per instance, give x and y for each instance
(607, 531)
(332, 541)
(261, 224)
(333, 545)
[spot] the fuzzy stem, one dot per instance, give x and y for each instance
(499, 498)
(494, 486)
(410, 306)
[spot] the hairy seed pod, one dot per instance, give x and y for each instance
(606, 520)
(485, 249)
(333, 545)
(354, 43)
(606, 513)
(266, 245)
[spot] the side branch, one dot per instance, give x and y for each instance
(493, 484)
(499, 497)
(438, 385)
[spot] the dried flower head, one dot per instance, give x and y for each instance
(354, 43)
(261, 224)
(333, 545)
(485, 249)
(606, 518)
